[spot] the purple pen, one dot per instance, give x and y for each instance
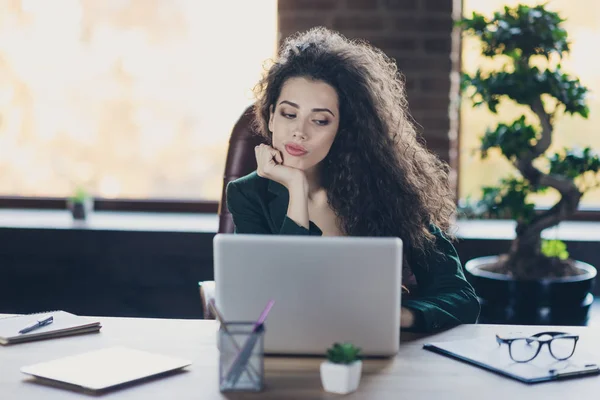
(263, 315)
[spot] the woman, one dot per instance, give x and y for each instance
(342, 158)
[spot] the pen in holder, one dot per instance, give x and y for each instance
(241, 358)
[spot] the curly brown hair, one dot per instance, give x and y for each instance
(380, 179)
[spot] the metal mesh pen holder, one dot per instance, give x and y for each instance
(241, 357)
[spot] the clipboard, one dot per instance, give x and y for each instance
(487, 354)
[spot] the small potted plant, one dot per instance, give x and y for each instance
(80, 204)
(342, 370)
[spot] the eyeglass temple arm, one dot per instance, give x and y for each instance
(500, 340)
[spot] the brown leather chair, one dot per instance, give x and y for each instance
(240, 162)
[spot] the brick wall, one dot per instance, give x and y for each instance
(419, 35)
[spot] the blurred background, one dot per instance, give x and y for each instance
(127, 98)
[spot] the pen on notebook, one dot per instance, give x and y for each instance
(38, 324)
(242, 359)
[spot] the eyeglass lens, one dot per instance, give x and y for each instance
(562, 348)
(523, 349)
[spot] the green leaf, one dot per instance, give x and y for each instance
(555, 248)
(343, 353)
(80, 195)
(508, 200)
(528, 30)
(524, 85)
(513, 140)
(573, 163)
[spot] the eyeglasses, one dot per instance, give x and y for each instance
(523, 349)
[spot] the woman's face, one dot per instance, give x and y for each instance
(304, 122)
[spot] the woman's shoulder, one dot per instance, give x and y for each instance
(441, 246)
(250, 186)
(250, 182)
(440, 233)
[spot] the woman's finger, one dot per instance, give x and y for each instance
(260, 153)
(259, 161)
(266, 158)
(273, 153)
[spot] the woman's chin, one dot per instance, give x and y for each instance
(292, 164)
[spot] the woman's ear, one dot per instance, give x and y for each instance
(271, 112)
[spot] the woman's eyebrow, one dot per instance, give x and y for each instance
(323, 110)
(313, 110)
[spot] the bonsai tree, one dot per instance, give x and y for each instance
(344, 353)
(522, 36)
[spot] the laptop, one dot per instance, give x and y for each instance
(326, 290)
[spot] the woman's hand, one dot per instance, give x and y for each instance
(407, 318)
(270, 165)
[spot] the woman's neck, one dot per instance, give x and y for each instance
(314, 182)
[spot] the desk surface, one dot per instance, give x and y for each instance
(414, 374)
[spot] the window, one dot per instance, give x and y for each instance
(130, 99)
(583, 28)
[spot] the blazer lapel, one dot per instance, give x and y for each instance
(278, 204)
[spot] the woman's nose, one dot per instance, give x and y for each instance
(298, 134)
(298, 131)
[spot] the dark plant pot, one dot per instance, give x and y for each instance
(553, 301)
(80, 210)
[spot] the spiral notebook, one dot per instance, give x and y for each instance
(486, 354)
(64, 324)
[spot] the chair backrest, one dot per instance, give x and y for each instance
(240, 161)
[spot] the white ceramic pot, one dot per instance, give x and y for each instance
(340, 378)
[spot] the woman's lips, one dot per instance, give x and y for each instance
(295, 151)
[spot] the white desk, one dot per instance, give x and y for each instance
(414, 374)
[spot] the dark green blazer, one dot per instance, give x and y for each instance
(444, 297)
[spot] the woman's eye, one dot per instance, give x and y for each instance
(286, 115)
(321, 122)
